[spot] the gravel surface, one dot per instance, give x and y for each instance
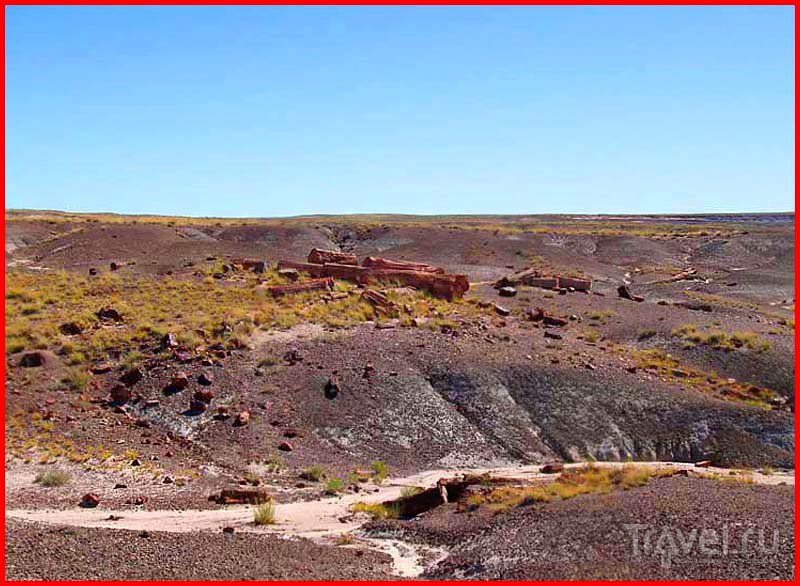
(43, 552)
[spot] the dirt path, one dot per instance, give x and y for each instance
(322, 520)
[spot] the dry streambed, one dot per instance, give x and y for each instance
(324, 520)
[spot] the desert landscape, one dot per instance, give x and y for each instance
(389, 396)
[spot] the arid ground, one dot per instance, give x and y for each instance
(165, 408)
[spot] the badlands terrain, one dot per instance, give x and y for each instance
(191, 399)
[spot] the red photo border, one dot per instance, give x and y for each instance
(361, 3)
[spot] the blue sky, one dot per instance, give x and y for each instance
(272, 111)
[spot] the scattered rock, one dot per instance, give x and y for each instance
(102, 368)
(169, 341)
(70, 328)
(332, 387)
(625, 293)
(180, 381)
(32, 359)
(507, 291)
(113, 266)
(120, 485)
(369, 369)
(109, 314)
(500, 310)
(136, 462)
(552, 468)
(93, 271)
(552, 335)
(197, 406)
(205, 379)
(292, 357)
(133, 376)
(242, 419)
(120, 394)
(90, 500)
(168, 480)
(703, 464)
(285, 447)
(204, 395)
(289, 274)
(228, 530)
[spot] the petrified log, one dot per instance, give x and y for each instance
(625, 293)
(399, 265)
(575, 283)
(250, 264)
(379, 301)
(320, 256)
(323, 284)
(240, 496)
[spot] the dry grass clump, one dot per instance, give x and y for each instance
(376, 510)
(589, 479)
(719, 339)
(670, 368)
(52, 477)
(264, 514)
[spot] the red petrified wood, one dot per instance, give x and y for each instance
(319, 256)
(399, 265)
(324, 284)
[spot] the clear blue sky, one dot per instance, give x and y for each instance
(270, 111)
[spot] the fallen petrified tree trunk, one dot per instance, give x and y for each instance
(399, 265)
(325, 284)
(379, 301)
(439, 285)
(319, 256)
(625, 293)
(533, 278)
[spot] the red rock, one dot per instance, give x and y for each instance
(204, 395)
(574, 283)
(398, 265)
(320, 256)
(205, 379)
(109, 314)
(120, 394)
(90, 501)
(196, 406)
(179, 381)
(323, 284)
(552, 468)
(285, 447)
(332, 387)
(133, 376)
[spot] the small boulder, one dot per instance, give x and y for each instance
(113, 266)
(169, 341)
(70, 328)
(552, 468)
(131, 377)
(32, 359)
(507, 292)
(205, 379)
(204, 395)
(290, 275)
(285, 447)
(109, 314)
(500, 310)
(242, 419)
(180, 381)
(196, 406)
(92, 271)
(90, 500)
(552, 335)
(120, 394)
(332, 387)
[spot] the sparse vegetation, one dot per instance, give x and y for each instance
(409, 491)
(313, 473)
(334, 486)
(376, 510)
(52, 477)
(264, 514)
(571, 483)
(379, 471)
(719, 339)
